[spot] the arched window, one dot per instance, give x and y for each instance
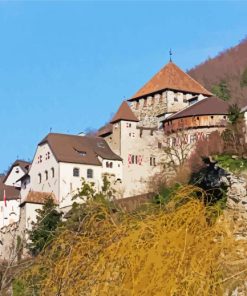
(111, 165)
(107, 164)
(89, 173)
(40, 178)
(76, 172)
(52, 172)
(46, 175)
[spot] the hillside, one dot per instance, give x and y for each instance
(228, 67)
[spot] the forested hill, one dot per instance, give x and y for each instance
(226, 74)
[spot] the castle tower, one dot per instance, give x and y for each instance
(167, 92)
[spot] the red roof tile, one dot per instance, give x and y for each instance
(173, 78)
(38, 197)
(124, 113)
(10, 191)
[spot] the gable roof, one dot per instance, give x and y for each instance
(104, 130)
(10, 191)
(173, 78)
(124, 113)
(208, 106)
(37, 197)
(24, 165)
(79, 149)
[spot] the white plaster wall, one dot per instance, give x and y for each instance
(31, 214)
(9, 213)
(15, 174)
(116, 170)
(52, 183)
(69, 185)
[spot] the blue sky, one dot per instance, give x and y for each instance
(68, 65)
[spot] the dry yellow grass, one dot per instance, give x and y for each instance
(172, 250)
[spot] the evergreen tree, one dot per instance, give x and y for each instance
(221, 90)
(234, 113)
(43, 231)
(243, 81)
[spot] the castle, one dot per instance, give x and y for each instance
(129, 149)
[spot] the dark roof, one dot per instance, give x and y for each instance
(10, 191)
(208, 106)
(104, 130)
(79, 149)
(173, 78)
(24, 165)
(38, 197)
(124, 113)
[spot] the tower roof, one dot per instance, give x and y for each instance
(124, 113)
(173, 78)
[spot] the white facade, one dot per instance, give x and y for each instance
(63, 179)
(9, 213)
(15, 174)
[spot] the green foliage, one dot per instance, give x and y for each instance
(221, 90)
(18, 287)
(44, 230)
(166, 194)
(235, 165)
(243, 81)
(90, 200)
(234, 114)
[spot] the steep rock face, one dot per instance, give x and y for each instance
(237, 194)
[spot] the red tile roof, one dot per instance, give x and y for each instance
(10, 191)
(173, 78)
(38, 197)
(104, 130)
(208, 106)
(79, 149)
(124, 113)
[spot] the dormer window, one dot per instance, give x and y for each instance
(101, 144)
(81, 153)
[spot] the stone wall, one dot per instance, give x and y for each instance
(148, 108)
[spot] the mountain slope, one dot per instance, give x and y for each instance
(229, 66)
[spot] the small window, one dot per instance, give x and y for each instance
(137, 105)
(40, 178)
(52, 172)
(192, 139)
(89, 173)
(152, 161)
(17, 170)
(159, 145)
(76, 172)
(107, 164)
(46, 175)
(145, 103)
(133, 159)
(136, 159)
(111, 164)
(212, 117)
(224, 117)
